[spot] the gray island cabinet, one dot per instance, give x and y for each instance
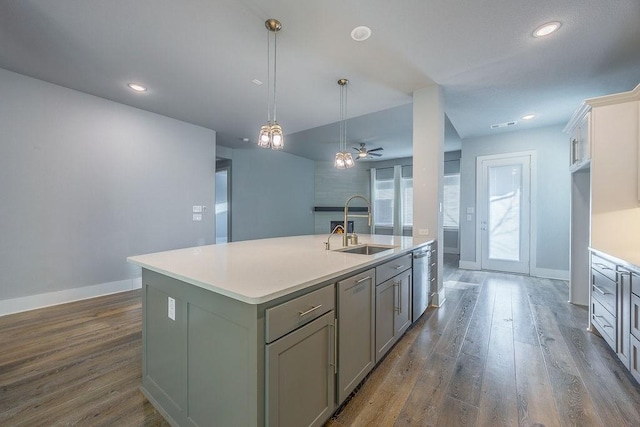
(281, 340)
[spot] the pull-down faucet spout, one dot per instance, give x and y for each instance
(345, 235)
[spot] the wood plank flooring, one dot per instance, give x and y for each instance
(503, 350)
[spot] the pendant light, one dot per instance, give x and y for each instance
(343, 159)
(271, 135)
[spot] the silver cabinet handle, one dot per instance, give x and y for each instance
(335, 346)
(358, 282)
(600, 290)
(398, 267)
(399, 297)
(602, 266)
(605, 323)
(304, 313)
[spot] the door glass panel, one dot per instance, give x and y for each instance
(222, 206)
(505, 189)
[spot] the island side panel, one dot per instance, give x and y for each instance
(206, 366)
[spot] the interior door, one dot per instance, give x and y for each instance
(505, 213)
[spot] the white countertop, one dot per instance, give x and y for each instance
(258, 271)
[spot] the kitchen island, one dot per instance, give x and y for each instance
(224, 326)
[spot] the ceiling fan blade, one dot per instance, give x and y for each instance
(375, 154)
(376, 149)
(357, 149)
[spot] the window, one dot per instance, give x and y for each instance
(393, 200)
(451, 201)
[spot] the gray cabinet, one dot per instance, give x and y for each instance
(300, 370)
(393, 311)
(300, 360)
(356, 331)
(615, 307)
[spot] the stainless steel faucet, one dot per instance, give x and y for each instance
(345, 235)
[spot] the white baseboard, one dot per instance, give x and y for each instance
(439, 298)
(31, 302)
(548, 273)
(468, 265)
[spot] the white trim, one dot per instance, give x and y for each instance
(468, 265)
(438, 298)
(549, 273)
(31, 302)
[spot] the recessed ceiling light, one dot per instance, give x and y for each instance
(528, 117)
(546, 29)
(256, 82)
(361, 33)
(137, 87)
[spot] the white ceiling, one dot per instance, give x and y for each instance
(198, 58)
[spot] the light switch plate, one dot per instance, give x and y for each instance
(197, 208)
(469, 210)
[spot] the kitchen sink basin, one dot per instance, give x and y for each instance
(366, 249)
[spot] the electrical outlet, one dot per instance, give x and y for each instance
(423, 232)
(171, 312)
(197, 217)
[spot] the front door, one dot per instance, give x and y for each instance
(504, 212)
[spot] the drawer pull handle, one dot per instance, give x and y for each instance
(600, 290)
(605, 324)
(304, 313)
(357, 283)
(398, 267)
(602, 266)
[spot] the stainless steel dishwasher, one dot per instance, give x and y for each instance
(421, 261)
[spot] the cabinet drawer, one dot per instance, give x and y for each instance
(392, 268)
(284, 318)
(604, 290)
(604, 322)
(604, 267)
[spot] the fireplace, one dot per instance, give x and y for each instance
(334, 223)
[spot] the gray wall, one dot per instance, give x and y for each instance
(333, 188)
(553, 191)
(86, 182)
(272, 194)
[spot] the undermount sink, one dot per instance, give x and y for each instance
(366, 249)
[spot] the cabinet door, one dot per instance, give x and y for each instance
(624, 315)
(300, 371)
(402, 317)
(385, 313)
(634, 357)
(356, 331)
(635, 314)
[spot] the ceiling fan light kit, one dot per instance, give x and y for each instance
(271, 134)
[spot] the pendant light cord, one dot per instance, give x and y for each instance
(275, 64)
(268, 77)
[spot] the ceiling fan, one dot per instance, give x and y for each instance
(363, 153)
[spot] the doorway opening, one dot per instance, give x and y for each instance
(223, 201)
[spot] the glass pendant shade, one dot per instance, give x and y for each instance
(348, 160)
(277, 137)
(263, 137)
(339, 161)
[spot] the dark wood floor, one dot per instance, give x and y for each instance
(504, 350)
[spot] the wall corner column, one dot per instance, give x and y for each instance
(428, 169)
